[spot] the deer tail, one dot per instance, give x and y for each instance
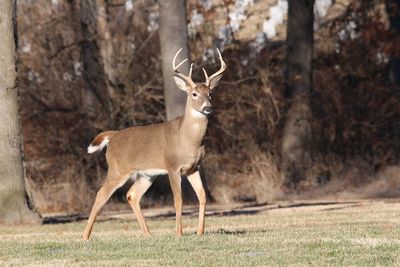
(100, 141)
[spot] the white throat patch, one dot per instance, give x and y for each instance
(196, 114)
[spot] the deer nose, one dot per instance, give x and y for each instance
(207, 109)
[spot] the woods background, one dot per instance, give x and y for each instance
(89, 66)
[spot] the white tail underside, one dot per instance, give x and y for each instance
(91, 149)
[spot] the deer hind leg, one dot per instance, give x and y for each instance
(175, 181)
(134, 195)
(111, 184)
(195, 181)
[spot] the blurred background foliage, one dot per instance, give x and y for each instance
(89, 66)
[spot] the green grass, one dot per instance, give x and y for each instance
(365, 235)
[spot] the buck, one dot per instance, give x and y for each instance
(145, 152)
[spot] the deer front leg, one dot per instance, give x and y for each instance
(175, 181)
(134, 195)
(195, 181)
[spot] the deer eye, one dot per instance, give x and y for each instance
(194, 94)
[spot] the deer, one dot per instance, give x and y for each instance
(174, 148)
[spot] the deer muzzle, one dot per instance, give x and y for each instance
(207, 110)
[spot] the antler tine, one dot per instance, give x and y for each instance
(223, 66)
(188, 78)
(221, 70)
(173, 61)
(206, 76)
(180, 64)
(190, 71)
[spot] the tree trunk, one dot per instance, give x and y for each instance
(297, 128)
(13, 197)
(173, 36)
(393, 11)
(96, 92)
(106, 45)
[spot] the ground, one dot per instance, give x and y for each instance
(356, 233)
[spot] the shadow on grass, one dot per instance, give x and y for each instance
(250, 209)
(222, 231)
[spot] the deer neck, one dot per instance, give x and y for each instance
(194, 126)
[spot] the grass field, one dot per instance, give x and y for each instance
(362, 233)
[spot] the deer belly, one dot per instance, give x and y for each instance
(150, 174)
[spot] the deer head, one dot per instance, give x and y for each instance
(198, 94)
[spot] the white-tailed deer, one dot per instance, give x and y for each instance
(174, 148)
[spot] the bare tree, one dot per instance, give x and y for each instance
(297, 129)
(13, 198)
(173, 36)
(96, 87)
(105, 44)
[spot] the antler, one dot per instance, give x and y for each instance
(221, 70)
(188, 78)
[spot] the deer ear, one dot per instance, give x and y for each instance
(214, 81)
(180, 83)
